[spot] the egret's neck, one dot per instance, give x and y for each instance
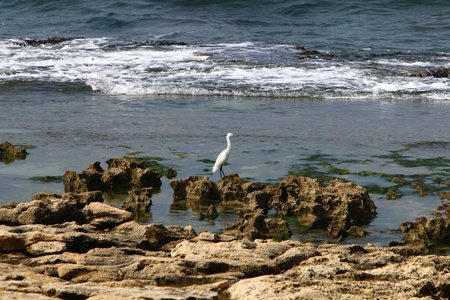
(228, 143)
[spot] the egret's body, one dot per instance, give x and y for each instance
(223, 157)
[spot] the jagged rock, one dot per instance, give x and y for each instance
(82, 198)
(254, 224)
(233, 189)
(336, 207)
(342, 273)
(121, 174)
(340, 207)
(139, 200)
(195, 188)
(426, 230)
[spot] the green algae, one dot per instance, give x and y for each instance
(52, 179)
(325, 168)
(152, 162)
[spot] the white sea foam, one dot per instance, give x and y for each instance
(242, 69)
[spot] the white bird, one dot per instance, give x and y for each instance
(223, 157)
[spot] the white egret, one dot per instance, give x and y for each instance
(223, 157)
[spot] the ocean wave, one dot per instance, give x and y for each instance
(245, 69)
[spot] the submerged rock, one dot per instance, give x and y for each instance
(426, 232)
(9, 153)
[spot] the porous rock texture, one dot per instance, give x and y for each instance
(121, 174)
(340, 207)
(133, 261)
(426, 231)
(99, 252)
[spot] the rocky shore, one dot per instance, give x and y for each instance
(74, 246)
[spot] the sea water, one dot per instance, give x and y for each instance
(168, 80)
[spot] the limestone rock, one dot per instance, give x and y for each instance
(426, 230)
(139, 200)
(195, 188)
(103, 216)
(336, 207)
(9, 153)
(121, 174)
(233, 189)
(47, 247)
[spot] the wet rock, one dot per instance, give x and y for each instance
(121, 174)
(336, 207)
(51, 41)
(211, 213)
(9, 153)
(195, 188)
(140, 200)
(7, 148)
(438, 73)
(425, 232)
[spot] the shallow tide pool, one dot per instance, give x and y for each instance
(365, 141)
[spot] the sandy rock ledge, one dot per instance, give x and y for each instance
(134, 261)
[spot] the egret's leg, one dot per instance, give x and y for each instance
(222, 173)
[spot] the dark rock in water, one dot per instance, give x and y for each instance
(194, 188)
(425, 232)
(9, 153)
(171, 173)
(336, 207)
(51, 41)
(211, 213)
(139, 200)
(438, 73)
(121, 174)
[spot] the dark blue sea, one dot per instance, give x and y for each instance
(357, 90)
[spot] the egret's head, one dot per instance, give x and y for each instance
(229, 134)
